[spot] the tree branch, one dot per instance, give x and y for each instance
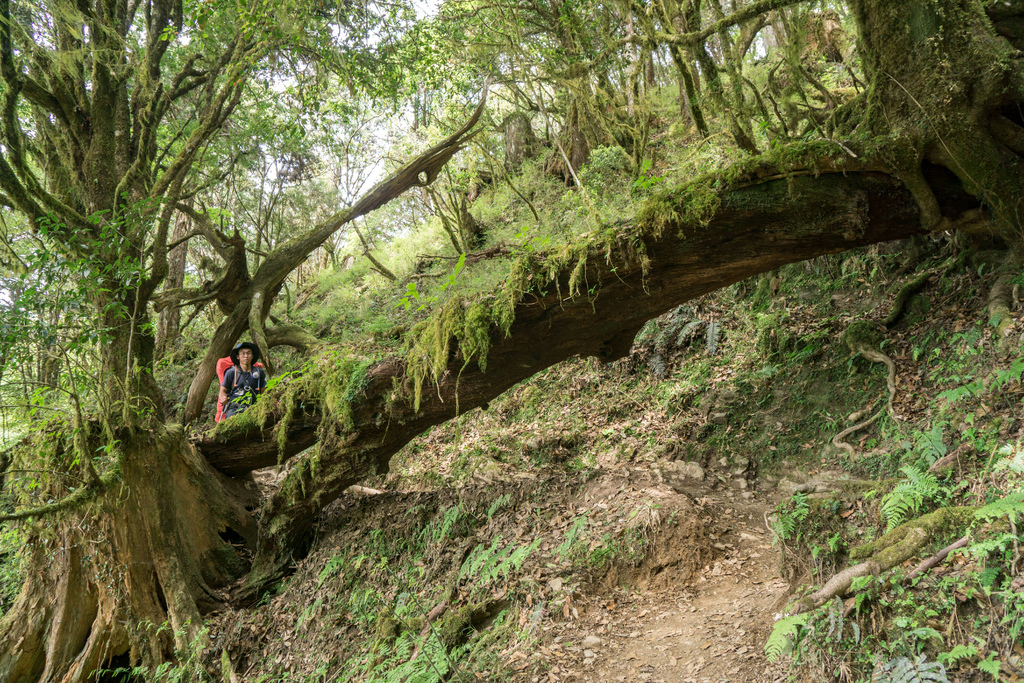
(279, 263)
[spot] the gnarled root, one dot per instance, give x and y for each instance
(906, 291)
(862, 338)
(915, 285)
(896, 547)
(1000, 301)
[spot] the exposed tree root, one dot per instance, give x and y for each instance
(1000, 301)
(103, 578)
(915, 285)
(895, 547)
(906, 291)
(937, 557)
(860, 338)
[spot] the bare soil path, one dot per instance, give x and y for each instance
(708, 631)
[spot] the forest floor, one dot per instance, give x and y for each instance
(706, 630)
(696, 608)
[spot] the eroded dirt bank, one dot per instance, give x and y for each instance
(609, 576)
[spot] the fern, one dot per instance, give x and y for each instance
(1011, 507)
(957, 653)
(497, 505)
(332, 566)
(1011, 374)
(786, 520)
(689, 330)
(439, 532)
(903, 670)
(909, 496)
(571, 537)
(714, 332)
(487, 563)
(1011, 460)
(512, 563)
(784, 634)
(930, 444)
(482, 559)
(951, 396)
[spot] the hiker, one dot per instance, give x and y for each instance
(223, 365)
(242, 382)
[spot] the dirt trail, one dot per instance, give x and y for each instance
(710, 630)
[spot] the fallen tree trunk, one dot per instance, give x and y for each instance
(760, 227)
(757, 228)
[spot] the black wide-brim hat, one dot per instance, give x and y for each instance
(245, 345)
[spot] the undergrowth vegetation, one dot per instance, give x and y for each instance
(444, 585)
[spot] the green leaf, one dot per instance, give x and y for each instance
(784, 634)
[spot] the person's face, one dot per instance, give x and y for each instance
(245, 357)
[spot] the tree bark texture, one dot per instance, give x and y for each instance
(147, 552)
(170, 318)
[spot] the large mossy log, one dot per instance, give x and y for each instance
(756, 228)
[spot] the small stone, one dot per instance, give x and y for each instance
(787, 485)
(747, 495)
(719, 418)
(589, 654)
(555, 584)
(724, 462)
(591, 641)
(739, 484)
(683, 477)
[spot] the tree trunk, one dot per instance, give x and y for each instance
(149, 550)
(941, 72)
(170, 317)
(520, 141)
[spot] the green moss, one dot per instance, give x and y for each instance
(455, 627)
(511, 292)
(772, 335)
(941, 522)
(476, 339)
(862, 334)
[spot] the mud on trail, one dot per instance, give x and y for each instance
(604, 576)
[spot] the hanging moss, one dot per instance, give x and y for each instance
(476, 339)
(332, 381)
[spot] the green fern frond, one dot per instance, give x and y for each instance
(903, 670)
(784, 634)
(689, 330)
(909, 496)
(1011, 507)
(713, 335)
